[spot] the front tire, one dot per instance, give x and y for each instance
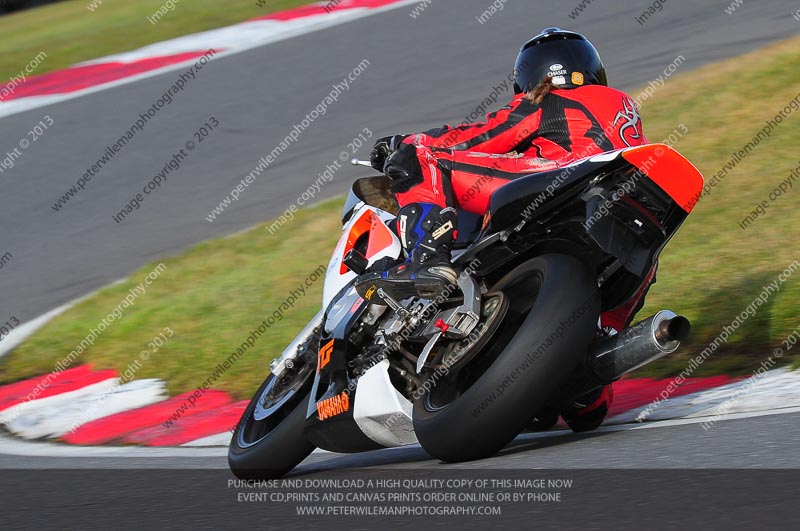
(276, 453)
(269, 440)
(480, 408)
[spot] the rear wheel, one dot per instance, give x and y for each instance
(268, 441)
(473, 411)
(544, 420)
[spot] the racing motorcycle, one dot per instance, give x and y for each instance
(464, 372)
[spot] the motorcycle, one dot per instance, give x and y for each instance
(463, 373)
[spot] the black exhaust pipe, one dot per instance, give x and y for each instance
(612, 357)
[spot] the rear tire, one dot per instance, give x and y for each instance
(472, 413)
(544, 420)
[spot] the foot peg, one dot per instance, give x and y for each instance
(393, 304)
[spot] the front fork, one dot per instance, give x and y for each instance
(287, 358)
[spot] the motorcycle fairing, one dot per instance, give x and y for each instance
(672, 172)
(381, 412)
(367, 232)
(539, 193)
(347, 414)
(329, 419)
(542, 213)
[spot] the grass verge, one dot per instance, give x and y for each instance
(69, 32)
(714, 269)
(213, 295)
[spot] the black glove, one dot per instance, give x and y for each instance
(403, 168)
(383, 148)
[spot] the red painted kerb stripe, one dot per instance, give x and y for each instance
(86, 76)
(109, 429)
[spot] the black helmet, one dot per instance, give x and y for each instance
(568, 57)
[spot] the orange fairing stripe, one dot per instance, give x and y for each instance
(380, 236)
(358, 229)
(669, 170)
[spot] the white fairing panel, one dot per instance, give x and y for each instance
(606, 157)
(381, 412)
(335, 281)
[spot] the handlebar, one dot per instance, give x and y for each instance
(357, 162)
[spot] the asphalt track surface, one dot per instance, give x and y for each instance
(422, 73)
(741, 474)
(752, 442)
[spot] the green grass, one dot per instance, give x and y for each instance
(713, 269)
(214, 294)
(69, 33)
(211, 297)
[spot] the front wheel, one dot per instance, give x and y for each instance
(268, 442)
(474, 411)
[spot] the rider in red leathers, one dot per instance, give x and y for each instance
(563, 111)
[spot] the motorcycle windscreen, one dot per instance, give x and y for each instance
(373, 191)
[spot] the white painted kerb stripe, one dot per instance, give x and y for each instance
(248, 41)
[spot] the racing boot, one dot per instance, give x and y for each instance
(589, 411)
(427, 234)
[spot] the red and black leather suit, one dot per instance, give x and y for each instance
(461, 166)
